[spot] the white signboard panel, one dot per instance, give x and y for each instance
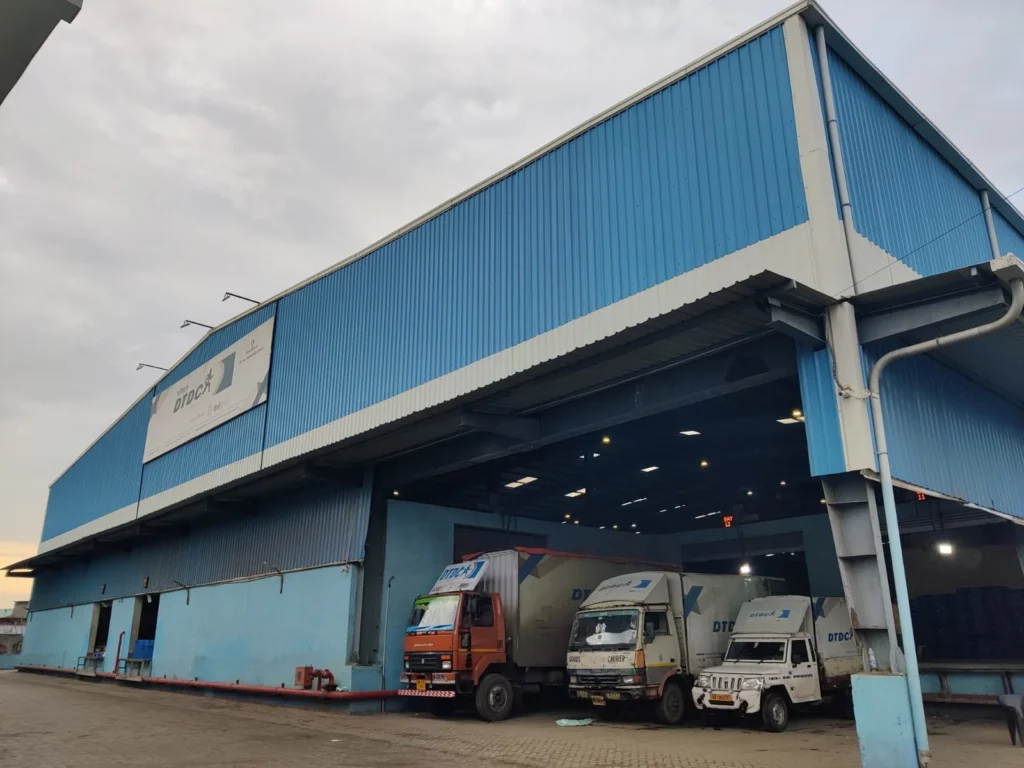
(460, 577)
(215, 392)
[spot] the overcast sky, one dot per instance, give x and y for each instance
(157, 154)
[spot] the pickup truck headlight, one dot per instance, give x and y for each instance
(753, 684)
(704, 681)
(446, 665)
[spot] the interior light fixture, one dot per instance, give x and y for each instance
(571, 495)
(770, 554)
(824, 502)
(782, 482)
(797, 413)
(515, 484)
(394, 492)
(661, 511)
(633, 525)
(615, 527)
(700, 517)
(745, 569)
(945, 548)
(600, 527)
(750, 493)
(527, 479)
(638, 533)
(788, 421)
(605, 440)
(648, 469)
(575, 522)
(596, 455)
(567, 516)
(689, 432)
(712, 514)
(703, 463)
(520, 482)
(626, 503)
(678, 506)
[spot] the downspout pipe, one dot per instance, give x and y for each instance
(889, 501)
(845, 207)
(989, 224)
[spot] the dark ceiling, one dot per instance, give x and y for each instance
(757, 469)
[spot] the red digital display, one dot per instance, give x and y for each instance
(727, 521)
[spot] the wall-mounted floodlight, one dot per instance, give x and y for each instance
(187, 323)
(230, 295)
(140, 366)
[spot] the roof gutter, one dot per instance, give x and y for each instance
(1010, 267)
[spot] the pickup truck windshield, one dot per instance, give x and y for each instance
(605, 631)
(432, 614)
(756, 650)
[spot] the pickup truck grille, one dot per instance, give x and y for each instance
(599, 678)
(424, 662)
(725, 683)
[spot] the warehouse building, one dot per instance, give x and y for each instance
(650, 338)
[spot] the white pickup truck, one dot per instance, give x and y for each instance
(784, 651)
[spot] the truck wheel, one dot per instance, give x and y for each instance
(671, 707)
(494, 698)
(775, 712)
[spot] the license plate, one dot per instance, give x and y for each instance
(421, 685)
(597, 700)
(613, 696)
(720, 698)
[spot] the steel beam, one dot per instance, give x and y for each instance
(929, 314)
(796, 324)
(748, 366)
(519, 427)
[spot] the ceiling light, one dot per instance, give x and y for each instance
(583, 456)
(513, 485)
(750, 493)
(637, 501)
(945, 548)
(797, 413)
(596, 455)
(745, 569)
(600, 527)
(520, 482)
(633, 525)
(605, 440)
(564, 522)
(770, 554)
(700, 517)
(568, 516)
(394, 492)
(648, 469)
(626, 503)
(572, 495)
(615, 527)
(788, 421)
(678, 506)
(575, 522)
(823, 501)
(710, 514)
(525, 480)
(703, 463)
(689, 432)
(782, 482)
(581, 491)
(638, 533)
(660, 511)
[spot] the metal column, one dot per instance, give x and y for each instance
(853, 514)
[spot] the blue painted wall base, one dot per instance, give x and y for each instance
(881, 705)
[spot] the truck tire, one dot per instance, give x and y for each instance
(494, 698)
(670, 709)
(775, 712)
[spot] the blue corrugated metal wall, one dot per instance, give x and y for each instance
(105, 479)
(906, 198)
(821, 411)
(1010, 240)
(301, 529)
(699, 170)
(948, 434)
(235, 440)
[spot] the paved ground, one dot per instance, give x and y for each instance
(53, 722)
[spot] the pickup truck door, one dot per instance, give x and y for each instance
(804, 684)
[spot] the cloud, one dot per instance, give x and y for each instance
(157, 154)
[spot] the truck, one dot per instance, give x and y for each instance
(494, 627)
(642, 638)
(785, 651)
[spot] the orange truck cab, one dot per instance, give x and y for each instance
(496, 626)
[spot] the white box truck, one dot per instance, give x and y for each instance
(496, 626)
(644, 637)
(784, 651)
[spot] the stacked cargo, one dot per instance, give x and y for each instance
(976, 624)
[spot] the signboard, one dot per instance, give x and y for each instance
(215, 392)
(460, 577)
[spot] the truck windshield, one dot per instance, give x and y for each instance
(604, 630)
(756, 650)
(433, 614)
